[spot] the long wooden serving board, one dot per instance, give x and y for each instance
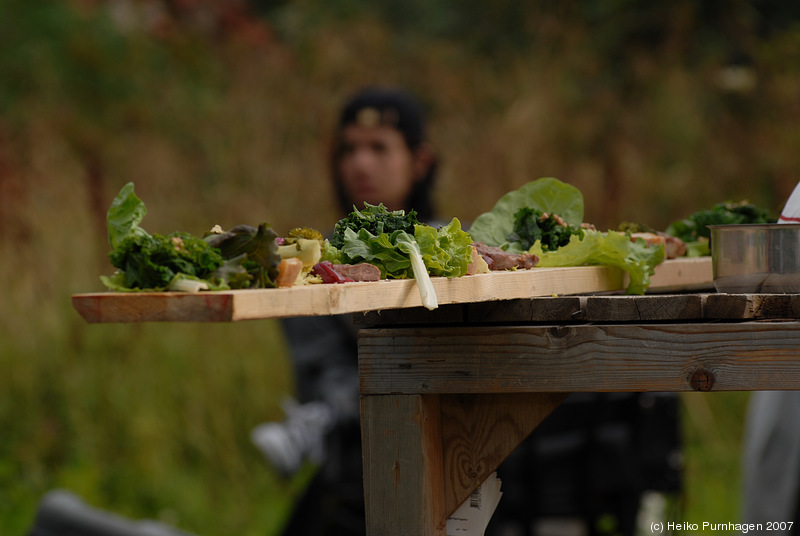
(320, 300)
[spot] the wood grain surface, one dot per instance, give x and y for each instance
(403, 473)
(581, 358)
(480, 431)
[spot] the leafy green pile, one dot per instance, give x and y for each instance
(694, 230)
(401, 249)
(244, 257)
(587, 247)
(445, 252)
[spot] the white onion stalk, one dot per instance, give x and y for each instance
(426, 291)
(186, 284)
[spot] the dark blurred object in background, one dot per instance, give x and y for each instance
(62, 513)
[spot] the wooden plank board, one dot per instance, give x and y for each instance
(316, 300)
(726, 356)
(752, 306)
(403, 473)
(578, 309)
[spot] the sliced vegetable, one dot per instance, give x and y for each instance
(427, 294)
(309, 251)
(289, 270)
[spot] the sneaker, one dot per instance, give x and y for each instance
(299, 438)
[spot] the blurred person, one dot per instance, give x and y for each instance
(592, 458)
(380, 154)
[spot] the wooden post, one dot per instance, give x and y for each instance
(403, 476)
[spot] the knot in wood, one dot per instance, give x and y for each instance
(702, 380)
(559, 332)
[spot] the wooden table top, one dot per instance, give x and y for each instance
(680, 342)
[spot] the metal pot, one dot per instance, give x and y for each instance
(756, 258)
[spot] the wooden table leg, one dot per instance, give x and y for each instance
(425, 454)
(403, 483)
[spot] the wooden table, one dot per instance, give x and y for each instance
(448, 394)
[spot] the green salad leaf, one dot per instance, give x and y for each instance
(124, 216)
(446, 251)
(547, 195)
(380, 250)
(251, 255)
(637, 258)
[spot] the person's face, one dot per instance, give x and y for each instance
(377, 166)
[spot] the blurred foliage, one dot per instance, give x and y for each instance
(220, 112)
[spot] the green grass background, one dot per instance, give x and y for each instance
(229, 123)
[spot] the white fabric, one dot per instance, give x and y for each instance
(791, 211)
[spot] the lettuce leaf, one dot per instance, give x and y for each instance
(636, 258)
(446, 251)
(547, 194)
(124, 216)
(381, 250)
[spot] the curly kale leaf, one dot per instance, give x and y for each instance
(153, 261)
(532, 225)
(376, 219)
